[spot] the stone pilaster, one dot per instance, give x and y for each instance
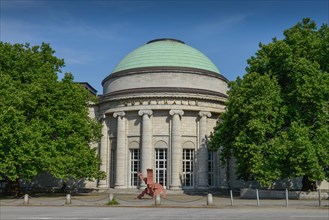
(203, 151)
(103, 152)
(120, 151)
(146, 147)
(176, 149)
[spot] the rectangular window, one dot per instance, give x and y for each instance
(188, 167)
(134, 167)
(211, 179)
(161, 166)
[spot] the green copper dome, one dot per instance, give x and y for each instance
(166, 52)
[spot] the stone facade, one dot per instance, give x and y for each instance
(156, 125)
(160, 117)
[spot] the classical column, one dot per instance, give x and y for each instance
(176, 149)
(120, 150)
(203, 151)
(103, 152)
(146, 148)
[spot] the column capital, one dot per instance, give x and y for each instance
(145, 112)
(176, 112)
(116, 114)
(203, 113)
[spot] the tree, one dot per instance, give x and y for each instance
(44, 121)
(277, 119)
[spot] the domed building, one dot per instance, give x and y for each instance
(158, 107)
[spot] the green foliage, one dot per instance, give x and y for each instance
(277, 119)
(112, 202)
(44, 121)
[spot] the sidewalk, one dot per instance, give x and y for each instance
(172, 200)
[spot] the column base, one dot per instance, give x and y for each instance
(102, 184)
(120, 187)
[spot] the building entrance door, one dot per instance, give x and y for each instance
(188, 168)
(134, 167)
(161, 166)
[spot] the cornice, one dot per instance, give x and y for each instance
(164, 69)
(148, 105)
(162, 90)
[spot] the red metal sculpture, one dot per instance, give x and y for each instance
(152, 189)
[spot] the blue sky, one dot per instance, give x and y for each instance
(93, 36)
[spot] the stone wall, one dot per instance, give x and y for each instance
(173, 80)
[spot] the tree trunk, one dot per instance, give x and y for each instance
(12, 187)
(308, 185)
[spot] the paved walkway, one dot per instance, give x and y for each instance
(178, 200)
(151, 213)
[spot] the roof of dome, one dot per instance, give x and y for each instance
(166, 52)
